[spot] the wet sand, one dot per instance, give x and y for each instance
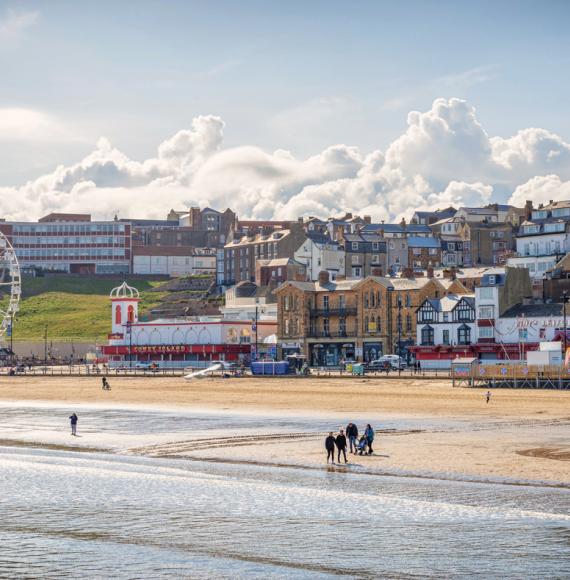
(521, 434)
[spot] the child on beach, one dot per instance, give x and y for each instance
(362, 443)
(488, 396)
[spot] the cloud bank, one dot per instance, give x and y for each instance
(444, 157)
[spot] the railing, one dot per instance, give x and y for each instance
(325, 312)
(331, 334)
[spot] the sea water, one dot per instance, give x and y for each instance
(101, 515)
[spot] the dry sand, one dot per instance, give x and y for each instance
(520, 434)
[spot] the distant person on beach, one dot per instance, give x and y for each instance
(369, 434)
(73, 419)
(341, 445)
(488, 396)
(352, 434)
(105, 384)
(329, 446)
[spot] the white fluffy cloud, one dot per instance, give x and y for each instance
(445, 157)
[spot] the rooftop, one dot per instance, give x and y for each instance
(533, 310)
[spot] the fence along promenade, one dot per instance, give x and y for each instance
(472, 373)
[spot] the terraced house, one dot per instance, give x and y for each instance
(330, 322)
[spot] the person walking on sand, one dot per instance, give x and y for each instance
(341, 445)
(73, 419)
(105, 384)
(352, 434)
(369, 434)
(488, 396)
(329, 446)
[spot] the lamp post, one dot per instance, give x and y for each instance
(45, 344)
(399, 334)
(564, 296)
(130, 333)
(12, 339)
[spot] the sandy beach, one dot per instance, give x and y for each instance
(521, 435)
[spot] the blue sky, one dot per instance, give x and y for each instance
(293, 75)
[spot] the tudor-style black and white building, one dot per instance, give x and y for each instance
(445, 326)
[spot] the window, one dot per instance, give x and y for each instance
(408, 300)
(375, 259)
(486, 312)
(392, 245)
(408, 323)
(355, 245)
(372, 299)
(446, 337)
(486, 332)
(463, 334)
(326, 302)
(445, 317)
(486, 293)
(375, 246)
(355, 259)
(286, 302)
(427, 314)
(341, 301)
(523, 334)
(417, 251)
(427, 336)
(326, 328)
(287, 326)
(433, 251)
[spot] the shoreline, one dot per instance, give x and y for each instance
(434, 429)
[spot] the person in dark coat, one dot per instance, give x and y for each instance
(369, 434)
(341, 445)
(73, 419)
(352, 434)
(329, 446)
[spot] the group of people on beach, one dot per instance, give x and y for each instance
(339, 442)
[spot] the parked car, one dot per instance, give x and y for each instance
(147, 366)
(379, 365)
(396, 362)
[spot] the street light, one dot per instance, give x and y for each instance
(564, 296)
(45, 344)
(130, 333)
(11, 339)
(399, 334)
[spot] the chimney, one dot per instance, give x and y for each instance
(528, 209)
(453, 273)
(323, 277)
(377, 271)
(527, 300)
(367, 219)
(430, 271)
(407, 273)
(403, 223)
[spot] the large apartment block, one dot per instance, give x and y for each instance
(71, 243)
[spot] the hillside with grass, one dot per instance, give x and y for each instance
(78, 308)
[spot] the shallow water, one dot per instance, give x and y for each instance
(104, 515)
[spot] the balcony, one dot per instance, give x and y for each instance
(331, 334)
(327, 312)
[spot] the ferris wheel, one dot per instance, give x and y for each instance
(10, 284)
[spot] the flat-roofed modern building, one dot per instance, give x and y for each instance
(71, 243)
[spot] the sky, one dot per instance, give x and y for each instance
(281, 108)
